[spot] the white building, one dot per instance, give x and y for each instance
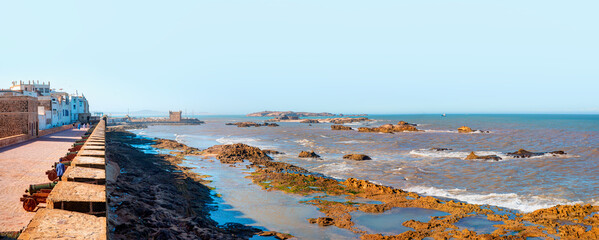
(55, 108)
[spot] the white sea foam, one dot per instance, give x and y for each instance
(457, 154)
(305, 142)
(354, 141)
(506, 200)
(232, 140)
(441, 131)
(336, 170)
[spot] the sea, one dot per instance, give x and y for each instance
(405, 160)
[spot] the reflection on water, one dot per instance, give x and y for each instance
(524, 184)
(479, 224)
(390, 222)
(241, 201)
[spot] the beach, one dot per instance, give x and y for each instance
(521, 202)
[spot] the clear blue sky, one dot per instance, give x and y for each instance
(228, 57)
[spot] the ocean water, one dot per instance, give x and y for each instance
(403, 160)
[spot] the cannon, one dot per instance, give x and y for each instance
(75, 148)
(52, 175)
(38, 193)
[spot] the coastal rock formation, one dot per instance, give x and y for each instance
(272, 152)
(311, 154)
(406, 123)
(441, 149)
(322, 221)
(277, 235)
(390, 128)
(464, 129)
(521, 153)
(357, 157)
(279, 114)
(253, 124)
(473, 156)
(234, 153)
(347, 120)
(340, 127)
(174, 145)
(157, 199)
(310, 121)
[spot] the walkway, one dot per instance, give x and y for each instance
(24, 164)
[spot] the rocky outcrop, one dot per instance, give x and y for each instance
(272, 152)
(473, 156)
(441, 149)
(233, 153)
(311, 154)
(310, 121)
(279, 114)
(340, 127)
(406, 123)
(357, 157)
(174, 145)
(277, 235)
(347, 120)
(521, 153)
(253, 124)
(322, 221)
(390, 128)
(464, 129)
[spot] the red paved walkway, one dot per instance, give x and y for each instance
(26, 163)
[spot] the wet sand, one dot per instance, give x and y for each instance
(24, 164)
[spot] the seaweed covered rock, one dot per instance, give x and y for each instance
(322, 221)
(233, 153)
(473, 156)
(272, 152)
(390, 128)
(521, 153)
(311, 154)
(347, 120)
(174, 145)
(340, 127)
(357, 157)
(406, 123)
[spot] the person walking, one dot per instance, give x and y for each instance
(60, 170)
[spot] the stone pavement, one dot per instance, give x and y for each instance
(24, 164)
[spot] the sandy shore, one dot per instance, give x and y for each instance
(24, 164)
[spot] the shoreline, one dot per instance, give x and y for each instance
(337, 213)
(153, 197)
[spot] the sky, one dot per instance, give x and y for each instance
(340, 56)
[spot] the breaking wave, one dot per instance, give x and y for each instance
(506, 200)
(457, 154)
(335, 170)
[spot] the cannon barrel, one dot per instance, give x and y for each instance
(78, 144)
(33, 188)
(66, 163)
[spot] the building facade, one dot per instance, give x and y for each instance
(54, 108)
(18, 115)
